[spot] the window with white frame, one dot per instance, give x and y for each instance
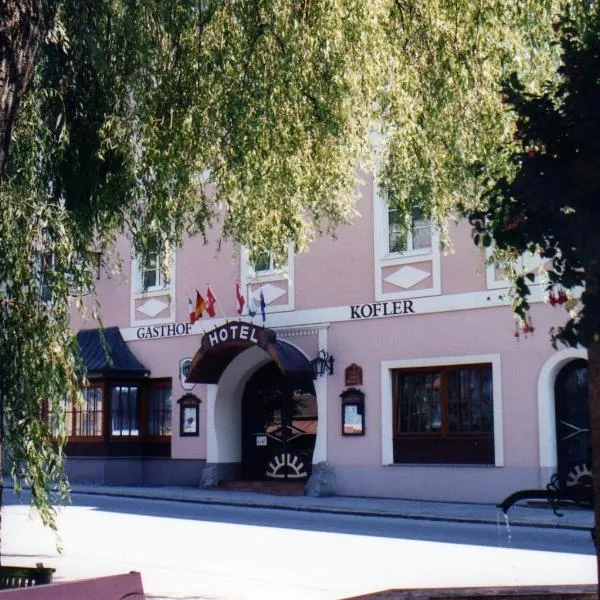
(152, 297)
(407, 235)
(150, 275)
(266, 264)
(45, 265)
(444, 414)
(271, 272)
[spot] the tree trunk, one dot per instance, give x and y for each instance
(594, 403)
(591, 298)
(1, 465)
(21, 27)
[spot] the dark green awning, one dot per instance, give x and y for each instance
(105, 354)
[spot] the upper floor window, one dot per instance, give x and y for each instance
(269, 264)
(408, 236)
(45, 265)
(151, 276)
(262, 263)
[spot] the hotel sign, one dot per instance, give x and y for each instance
(237, 332)
(381, 309)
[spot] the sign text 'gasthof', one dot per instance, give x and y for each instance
(159, 331)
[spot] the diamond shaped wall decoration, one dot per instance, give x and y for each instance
(407, 277)
(531, 263)
(152, 307)
(270, 292)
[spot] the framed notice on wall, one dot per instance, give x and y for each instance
(353, 412)
(189, 415)
(353, 422)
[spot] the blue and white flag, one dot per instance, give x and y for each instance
(251, 306)
(263, 306)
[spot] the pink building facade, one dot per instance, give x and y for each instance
(431, 396)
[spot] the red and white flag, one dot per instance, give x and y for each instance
(211, 301)
(240, 299)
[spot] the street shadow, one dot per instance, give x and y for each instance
(562, 540)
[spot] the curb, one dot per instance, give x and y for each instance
(338, 511)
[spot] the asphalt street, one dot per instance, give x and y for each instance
(188, 550)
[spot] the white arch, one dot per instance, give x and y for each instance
(546, 406)
(224, 408)
(224, 411)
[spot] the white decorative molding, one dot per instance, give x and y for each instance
(270, 293)
(336, 314)
(527, 263)
(382, 260)
(136, 295)
(300, 330)
(152, 307)
(546, 404)
(268, 281)
(320, 450)
(407, 277)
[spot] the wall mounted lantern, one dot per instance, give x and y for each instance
(322, 364)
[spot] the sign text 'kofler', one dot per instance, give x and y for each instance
(381, 309)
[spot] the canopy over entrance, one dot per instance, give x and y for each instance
(221, 345)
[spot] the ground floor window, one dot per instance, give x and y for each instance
(117, 415)
(87, 419)
(141, 409)
(158, 415)
(83, 419)
(444, 414)
(125, 410)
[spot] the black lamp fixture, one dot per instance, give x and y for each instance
(322, 364)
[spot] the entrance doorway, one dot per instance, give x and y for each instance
(279, 426)
(573, 441)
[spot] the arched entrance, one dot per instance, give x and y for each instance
(573, 443)
(241, 362)
(279, 426)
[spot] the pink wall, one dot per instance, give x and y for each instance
(339, 271)
(333, 275)
(462, 266)
(485, 331)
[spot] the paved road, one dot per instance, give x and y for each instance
(190, 551)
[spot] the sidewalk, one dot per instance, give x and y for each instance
(525, 515)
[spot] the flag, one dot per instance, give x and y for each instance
(263, 306)
(196, 312)
(210, 302)
(251, 305)
(241, 300)
(192, 312)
